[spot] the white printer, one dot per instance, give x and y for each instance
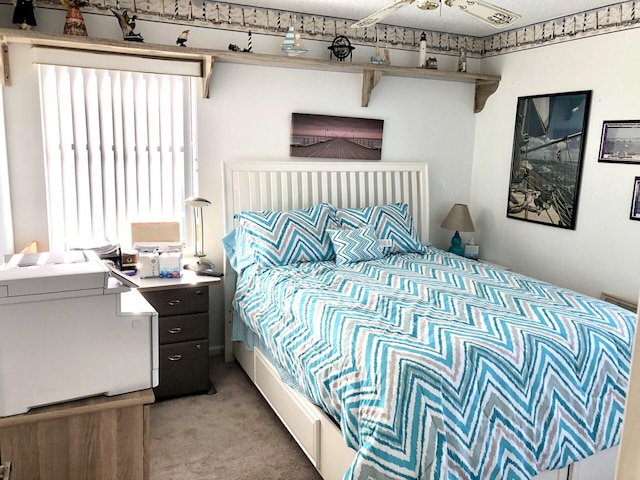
(70, 327)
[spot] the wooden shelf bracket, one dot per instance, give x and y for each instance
(207, 70)
(370, 79)
(4, 65)
(484, 89)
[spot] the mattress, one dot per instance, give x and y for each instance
(439, 367)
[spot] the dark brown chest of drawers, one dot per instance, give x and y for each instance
(183, 328)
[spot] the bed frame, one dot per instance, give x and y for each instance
(294, 185)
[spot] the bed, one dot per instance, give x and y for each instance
(343, 405)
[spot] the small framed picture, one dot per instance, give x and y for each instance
(620, 142)
(635, 201)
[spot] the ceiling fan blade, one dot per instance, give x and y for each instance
(375, 17)
(495, 16)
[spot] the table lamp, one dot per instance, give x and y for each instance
(198, 235)
(458, 219)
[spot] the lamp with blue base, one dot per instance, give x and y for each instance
(458, 219)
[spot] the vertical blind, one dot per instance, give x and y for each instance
(117, 146)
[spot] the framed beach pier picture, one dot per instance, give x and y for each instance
(327, 136)
(548, 149)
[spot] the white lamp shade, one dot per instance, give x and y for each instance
(197, 202)
(458, 219)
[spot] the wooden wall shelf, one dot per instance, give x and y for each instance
(485, 85)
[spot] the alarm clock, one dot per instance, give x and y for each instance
(129, 260)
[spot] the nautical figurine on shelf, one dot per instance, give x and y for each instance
(235, 48)
(381, 60)
(462, 60)
(23, 14)
(422, 60)
(74, 22)
(341, 47)
(128, 25)
(292, 44)
(378, 59)
(432, 63)
(182, 38)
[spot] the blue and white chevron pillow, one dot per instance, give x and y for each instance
(391, 222)
(292, 236)
(355, 245)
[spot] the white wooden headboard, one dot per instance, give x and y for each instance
(291, 185)
(254, 186)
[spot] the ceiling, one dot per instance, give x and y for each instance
(446, 19)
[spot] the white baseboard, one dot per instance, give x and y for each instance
(216, 350)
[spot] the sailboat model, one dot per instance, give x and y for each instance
(292, 44)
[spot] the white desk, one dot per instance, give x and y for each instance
(189, 278)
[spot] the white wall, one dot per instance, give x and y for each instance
(601, 254)
(25, 151)
(6, 223)
(248, 117)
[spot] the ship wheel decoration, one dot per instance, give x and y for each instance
(341, 47)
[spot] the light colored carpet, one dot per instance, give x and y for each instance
(232, 435)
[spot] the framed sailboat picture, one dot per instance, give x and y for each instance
(548, 149)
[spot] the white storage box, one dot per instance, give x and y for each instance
(170, 264)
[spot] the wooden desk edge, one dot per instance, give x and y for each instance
(80, 407)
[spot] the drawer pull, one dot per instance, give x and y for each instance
(5, 471)
(175, 330)
(198, 292)
(173, 303)
(175, 358)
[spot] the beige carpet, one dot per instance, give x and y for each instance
(232, 435)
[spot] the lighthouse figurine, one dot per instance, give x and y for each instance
(423, 51)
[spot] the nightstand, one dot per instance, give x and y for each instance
(183, 332)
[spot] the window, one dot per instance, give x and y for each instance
(119, 148)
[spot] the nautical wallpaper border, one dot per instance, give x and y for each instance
(227, 16)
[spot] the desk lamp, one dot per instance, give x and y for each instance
(458, 219)
(198, 235)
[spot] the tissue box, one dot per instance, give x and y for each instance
(472, 251)
(170, 264)
(149, 264)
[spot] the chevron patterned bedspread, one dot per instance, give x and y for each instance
(438, 367)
